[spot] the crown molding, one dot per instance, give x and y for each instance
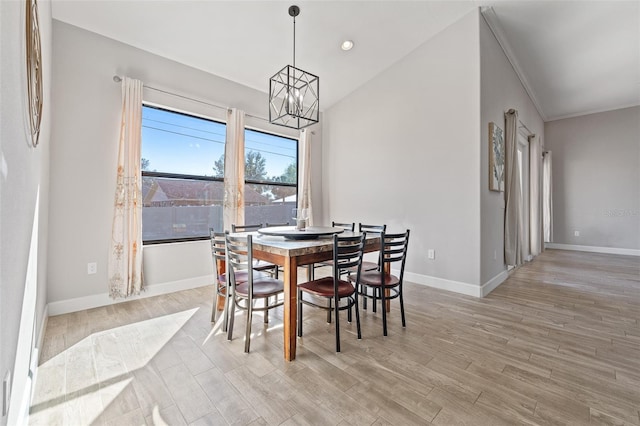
(594, 111)
(492, 21)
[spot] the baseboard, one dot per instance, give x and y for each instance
(593, 249)
(43, 328)
(443, 284)
(103, 299)
(493, 283)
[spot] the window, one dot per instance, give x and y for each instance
(183, 169)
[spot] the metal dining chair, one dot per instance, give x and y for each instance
(393, 249)
(260, 265)
(243, 293)
(339, 293)
(312, 267)
(218, 254)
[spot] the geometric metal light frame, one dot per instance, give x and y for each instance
(294, 98)
(294, 94)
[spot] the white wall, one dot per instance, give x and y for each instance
(24, 176)
(596, 179)
(403, 149)
(501, 91)
(84, 140)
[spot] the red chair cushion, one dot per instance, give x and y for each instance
(372, 279)
(324, 287)
(262, 287)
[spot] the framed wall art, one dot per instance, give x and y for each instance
(496, 158)
(34, 70)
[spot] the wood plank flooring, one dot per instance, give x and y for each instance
(557, 343)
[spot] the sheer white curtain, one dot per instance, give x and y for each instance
(233, 209)
(304, 175)
(125, 254)
(547, 197)
(512, 193)
(535, 194)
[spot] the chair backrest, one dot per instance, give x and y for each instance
(347, 254)
(218, 251)
(239, 257)
(270, 225)
(393, 248)
(245, 228)
(346, 226)
(378, 229)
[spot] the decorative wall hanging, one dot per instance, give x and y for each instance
(34, 70)
(496, 158)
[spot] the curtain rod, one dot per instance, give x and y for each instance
(118, 79)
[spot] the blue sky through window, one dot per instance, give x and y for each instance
(184, 144)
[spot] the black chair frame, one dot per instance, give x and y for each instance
(347, 253)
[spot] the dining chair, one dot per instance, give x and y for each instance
(243, 293)
(366, 264)
(260, 265)
(218, 254)
(347, 253)
(350, 227)
(393, 249)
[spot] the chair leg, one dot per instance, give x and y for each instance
(227, 299)
(232, 316)
(247, 333)
(266, 311)
(311, 272)
(355, 302)
(375, 301)
(329, 312)
(404, 323)
(336, 307)
(384, 311)
(214, 308)
(299, 313)
(363, 289)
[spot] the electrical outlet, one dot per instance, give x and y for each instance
(6, 390)
(92, 268)
(495, 255)
(576, 233)
(431, 254)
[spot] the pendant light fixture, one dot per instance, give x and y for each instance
(293, 93)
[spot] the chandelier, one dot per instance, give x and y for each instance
(293, 93)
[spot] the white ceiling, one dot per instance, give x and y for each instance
(574, 57)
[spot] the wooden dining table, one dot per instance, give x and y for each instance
(290, 254)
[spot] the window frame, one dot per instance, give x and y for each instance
(145, 173)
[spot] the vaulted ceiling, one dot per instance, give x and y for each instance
(574, 57)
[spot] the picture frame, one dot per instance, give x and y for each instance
(496, 158)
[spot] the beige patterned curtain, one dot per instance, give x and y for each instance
(304, 177)
(233, 211)
(547, 197)
(125, 254)
(512, 193)
(535, 191)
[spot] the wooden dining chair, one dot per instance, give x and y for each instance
(260, 265)
(218, 254)
(243, 293)
(340, 294)
(393, 249)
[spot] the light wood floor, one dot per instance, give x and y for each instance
(558, 343)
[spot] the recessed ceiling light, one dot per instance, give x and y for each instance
(346, 45)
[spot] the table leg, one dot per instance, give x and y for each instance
(290, 307)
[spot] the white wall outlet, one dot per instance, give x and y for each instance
(576, 233)
(495, 255)
(6, 393)
(431, 254)
(92, 268)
